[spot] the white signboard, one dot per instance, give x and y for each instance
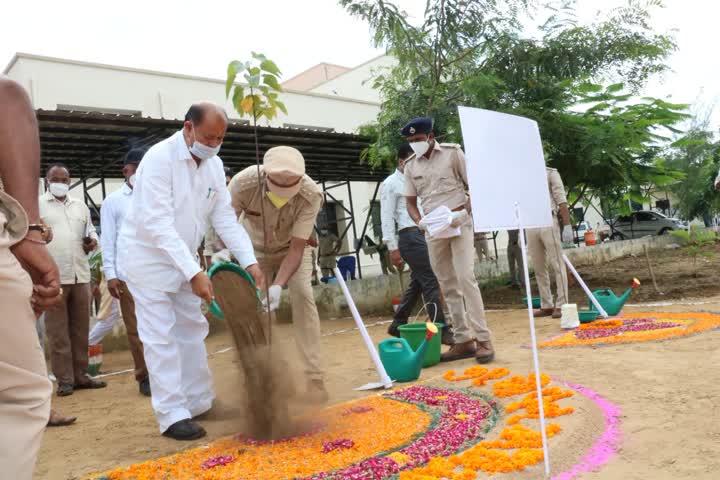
(505, 167)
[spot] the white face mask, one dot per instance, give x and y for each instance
(420, 148)
(131, 180)
(202, 151)
(59, 190)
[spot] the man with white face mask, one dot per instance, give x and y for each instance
(179, 191)
(290, 202)
(73, 238)
(436, 174)
(112, 214)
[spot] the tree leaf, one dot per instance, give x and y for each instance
(281, 106)
(234, 68)
(269, 66)
(272, 82)
(247, 103)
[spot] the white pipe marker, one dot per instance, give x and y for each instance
(385, 381)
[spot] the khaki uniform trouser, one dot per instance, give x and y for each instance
(24, 387)
(453, 261)
(127, 307)
(67, 327)
(306, 320)
(545, 248)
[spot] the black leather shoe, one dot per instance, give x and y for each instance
(394, 330)
(144, 387)
(90, 384)
(65, 389)
(185, 430)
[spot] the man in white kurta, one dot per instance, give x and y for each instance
(179, 191)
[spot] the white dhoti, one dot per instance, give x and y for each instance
(173, 330)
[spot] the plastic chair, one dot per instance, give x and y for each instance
(346, 265)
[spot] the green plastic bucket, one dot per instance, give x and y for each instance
(415, 333)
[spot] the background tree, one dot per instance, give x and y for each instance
(603, 139)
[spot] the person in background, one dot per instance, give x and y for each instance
(545, 248)
(29, 285)
(409, 245)
(437, 176)
(514, 255)
(212, 243)
(482, 247)
(112, 215)
(67, 326)
(290, 201)
(328, 248)
(179, 190)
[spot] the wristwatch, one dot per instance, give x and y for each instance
(45, 231)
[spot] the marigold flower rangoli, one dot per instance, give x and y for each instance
(636, 327)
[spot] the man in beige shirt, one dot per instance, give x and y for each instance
(286, 203)
(25, 291)
(68, 325)
(436, 174)
(545, 248)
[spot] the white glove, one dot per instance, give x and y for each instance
(221, 256)
(458, 218)
(567, 234)
(273, 298)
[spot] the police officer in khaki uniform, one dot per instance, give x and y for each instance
(545, 248)
(290, 202)
(437, 175)
(328, 248)
(24, 386)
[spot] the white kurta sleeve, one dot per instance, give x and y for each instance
(233, 235)
(388, 206)
(155, 217)
(108, 240)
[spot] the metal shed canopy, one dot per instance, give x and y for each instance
(93, 144)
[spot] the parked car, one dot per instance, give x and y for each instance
(644, 223)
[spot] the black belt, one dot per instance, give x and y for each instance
(408, 229)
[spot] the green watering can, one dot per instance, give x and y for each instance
(400, 361)
(610, 302)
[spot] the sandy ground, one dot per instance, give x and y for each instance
(667, 392)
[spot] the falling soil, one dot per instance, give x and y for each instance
(266, 373)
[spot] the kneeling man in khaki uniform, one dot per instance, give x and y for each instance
(290, 202)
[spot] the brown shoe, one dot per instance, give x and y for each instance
(543, 312)
(485, 352)
(557, 313)
(459, 351)
(58, 420)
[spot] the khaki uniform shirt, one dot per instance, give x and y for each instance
(327, 250)
(70, 221)
(438, 180)
(557, 189)
(13, 220)
(295, 219)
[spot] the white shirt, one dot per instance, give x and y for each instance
(112, 214)
(70, 221)
(173, 203)
(393, 208)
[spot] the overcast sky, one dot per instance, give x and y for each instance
(200, 37)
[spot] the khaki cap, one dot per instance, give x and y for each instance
(284, 164)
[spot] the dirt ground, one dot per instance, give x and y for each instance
(677, 273)
(670, 422)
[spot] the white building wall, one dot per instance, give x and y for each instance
(358, 82)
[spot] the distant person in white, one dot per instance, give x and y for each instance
(179, 191)
(112, 214)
